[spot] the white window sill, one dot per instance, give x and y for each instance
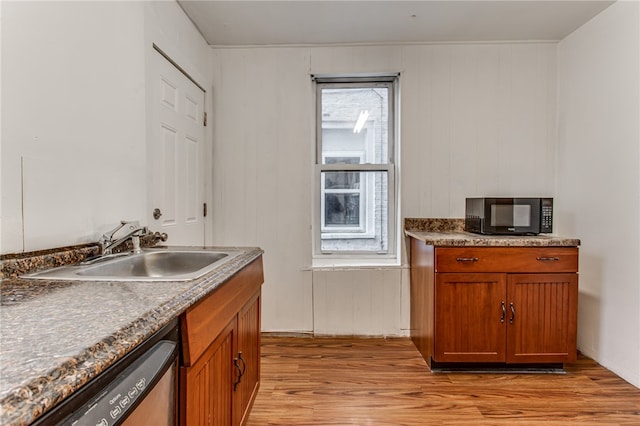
(346, 263)
(345, 236)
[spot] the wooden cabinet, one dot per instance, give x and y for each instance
(494, 304)
(207, 389)
(542, 318)
(469, 317)
(247, 360)
(220, 372)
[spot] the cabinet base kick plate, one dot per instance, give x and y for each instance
(491, 368)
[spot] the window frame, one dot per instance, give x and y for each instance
(325, 257)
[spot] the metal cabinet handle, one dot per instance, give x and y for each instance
(236, 362)
(503, 315)
(466, 259)
(513, 313)
(547, 259)
(237, 382)
(244, 364)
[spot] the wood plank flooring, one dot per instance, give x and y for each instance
(343, 381)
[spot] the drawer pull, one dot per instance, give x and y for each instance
(547, 259)
(513, 313)
(504, 312)
(466, 259)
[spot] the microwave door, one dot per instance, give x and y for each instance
(512, 216)
(526, 215)
(522, 217)
(502, 215)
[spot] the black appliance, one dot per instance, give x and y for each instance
(509, 216)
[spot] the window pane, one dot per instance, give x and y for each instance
(342, 209)
(342, 180)
(356, 220)
(355, 120)
(342, 160)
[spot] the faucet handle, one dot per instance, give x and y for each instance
(109, 234)
(107, 237)
(160, 236)
(132, 224)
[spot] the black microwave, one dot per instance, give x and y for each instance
(509, 216)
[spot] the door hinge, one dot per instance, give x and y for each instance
(204, 210)
(205, 119)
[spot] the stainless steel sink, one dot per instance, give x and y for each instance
(150, 265)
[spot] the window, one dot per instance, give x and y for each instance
(355, 174)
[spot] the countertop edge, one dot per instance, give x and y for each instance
(462, 238)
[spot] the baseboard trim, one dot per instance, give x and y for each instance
(311, 334)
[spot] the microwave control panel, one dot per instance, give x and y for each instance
(546, 219)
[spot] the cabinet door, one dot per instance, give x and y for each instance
(542, 318)
(248, 359)
(207, 386)
(470, 316)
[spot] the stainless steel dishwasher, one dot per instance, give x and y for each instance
(140, 389)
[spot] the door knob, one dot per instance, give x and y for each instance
(157, 213)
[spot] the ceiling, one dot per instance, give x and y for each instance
(309, 22)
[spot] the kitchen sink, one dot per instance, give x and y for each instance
(179, 264)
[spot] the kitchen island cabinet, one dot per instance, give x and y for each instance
(515, 304)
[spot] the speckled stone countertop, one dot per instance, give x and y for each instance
(55, 336)
(450, 233)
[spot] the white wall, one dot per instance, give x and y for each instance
(476, 119)
(599, 181)
(73, 119)
(1, 198)
(262, 178)
(74, 114)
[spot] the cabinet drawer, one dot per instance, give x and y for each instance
(506, 259)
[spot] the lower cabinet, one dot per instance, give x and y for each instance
(207, 385)
(513, 318)
(515, 305)
(542, 318)
(247, 361)
(220, 373)
(469, 322)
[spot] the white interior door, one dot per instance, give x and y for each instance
(177, 155)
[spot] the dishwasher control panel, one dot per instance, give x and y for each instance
(119, 397)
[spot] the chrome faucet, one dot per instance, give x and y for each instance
(132, 230)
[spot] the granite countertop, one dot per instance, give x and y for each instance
(55, 336)
(450, 233)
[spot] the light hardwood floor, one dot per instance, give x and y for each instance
(340, 381)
